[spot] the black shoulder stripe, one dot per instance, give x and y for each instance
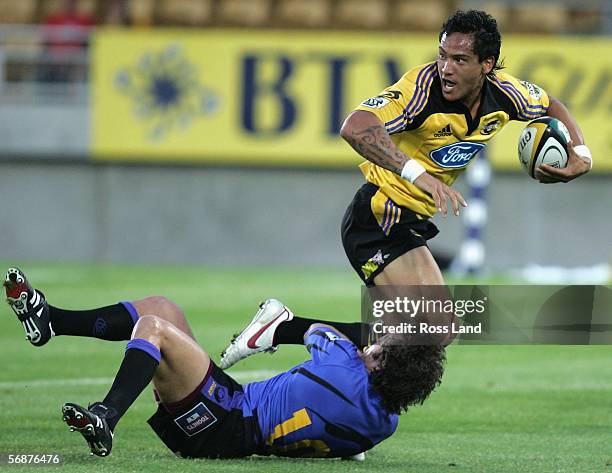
(322, 382)
(346, 433)
(322, 334)
(319, 333)
(316, 347)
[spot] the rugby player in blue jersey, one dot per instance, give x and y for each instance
(339, 403)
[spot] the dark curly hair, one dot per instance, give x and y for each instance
(487, 38)
(408, 374)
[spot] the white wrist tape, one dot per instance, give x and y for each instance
(583, 150)
(411, 170)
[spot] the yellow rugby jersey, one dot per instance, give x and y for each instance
(442, 135)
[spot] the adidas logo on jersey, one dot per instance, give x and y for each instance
(446, 131)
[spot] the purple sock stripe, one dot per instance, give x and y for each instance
(131, 309)
(146, 346)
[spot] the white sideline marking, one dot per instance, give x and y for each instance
(241, 376)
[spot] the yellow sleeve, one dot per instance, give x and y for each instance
(530, 100)
(397, 105)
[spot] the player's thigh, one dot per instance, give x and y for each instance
(416, 275)
(415, 267)
(183, 366)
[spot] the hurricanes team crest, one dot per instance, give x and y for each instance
(373, 263)
(166, 92)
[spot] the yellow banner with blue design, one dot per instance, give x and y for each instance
(279, 97)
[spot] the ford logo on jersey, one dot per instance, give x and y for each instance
(456, 155)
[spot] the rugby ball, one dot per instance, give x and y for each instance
(543, 141)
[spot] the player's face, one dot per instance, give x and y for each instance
(461, 73)
(371, 357)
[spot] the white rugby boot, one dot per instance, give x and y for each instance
(360, 457)
(258, 335)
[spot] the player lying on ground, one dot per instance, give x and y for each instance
(339, 403)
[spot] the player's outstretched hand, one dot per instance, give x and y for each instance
(440, 193)
(576, 166)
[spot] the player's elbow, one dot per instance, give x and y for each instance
(314, 327)
(310, 329)
(555, 106)
(347, 129)
(356, 123)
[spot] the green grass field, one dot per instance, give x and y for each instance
(499, 409)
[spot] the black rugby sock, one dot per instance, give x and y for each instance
(292, 332)
(136, 371)
(114, 322)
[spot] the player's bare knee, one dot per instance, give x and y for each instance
(151, 328)
(148, 323)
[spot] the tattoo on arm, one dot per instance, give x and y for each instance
(375, 144)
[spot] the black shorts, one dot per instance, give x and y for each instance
(209, 422)
(375, 231)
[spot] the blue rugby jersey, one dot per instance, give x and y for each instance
(322, 407)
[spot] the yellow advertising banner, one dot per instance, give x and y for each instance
(279, 97)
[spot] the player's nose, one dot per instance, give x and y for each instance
(446, 70)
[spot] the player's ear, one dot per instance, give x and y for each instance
(487, 65)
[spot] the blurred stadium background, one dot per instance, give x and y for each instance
(189, 148)
(204, 132)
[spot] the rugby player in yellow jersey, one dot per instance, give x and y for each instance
(419, 134)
